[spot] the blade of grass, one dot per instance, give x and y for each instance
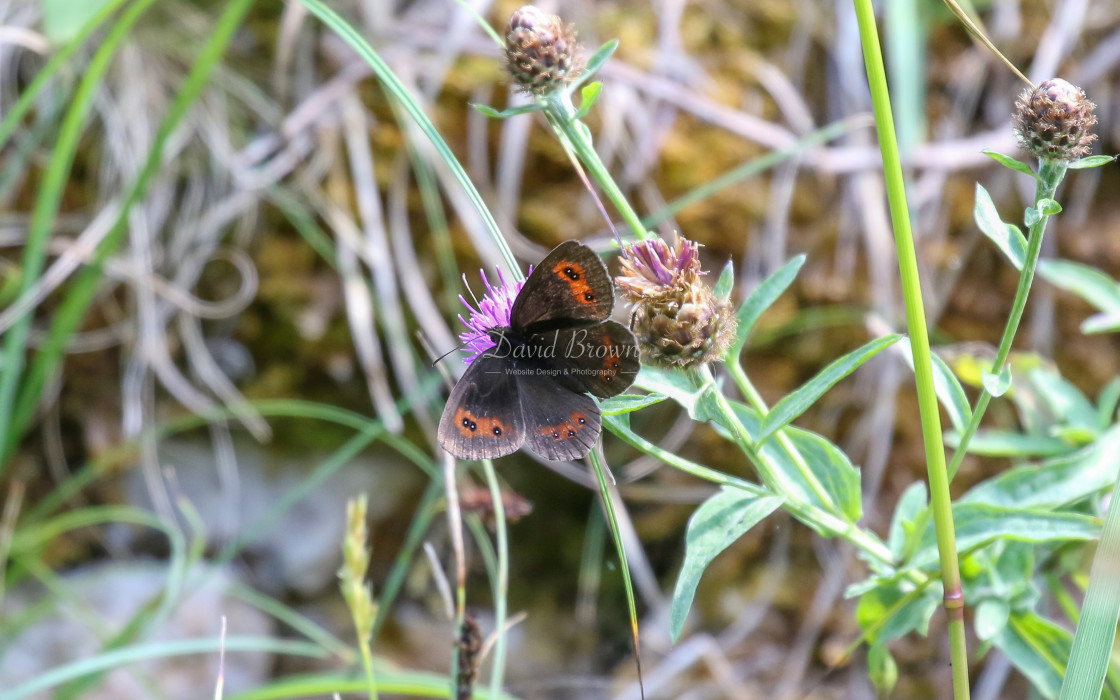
(160, 650)
(43, 215)
(79, 297)
(1096, 628)
(27, 96)
(612, 519)
(399, 92)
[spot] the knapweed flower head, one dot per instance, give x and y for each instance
(676, 318)
(1054, 121)
(542, 54)
(493, 312)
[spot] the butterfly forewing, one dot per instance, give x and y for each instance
(559, 423)
(601, 358)
(482, 419)
(569, 287)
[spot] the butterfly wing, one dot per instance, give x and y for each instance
(569, 287)
(560, 424)
(482, 418)
(601, 359)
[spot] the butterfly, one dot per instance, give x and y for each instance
(535, 386)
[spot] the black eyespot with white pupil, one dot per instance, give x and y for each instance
(571, 273)
(582, 420)
(497, 432)
(589, 297)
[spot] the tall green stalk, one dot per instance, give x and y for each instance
(919, 340)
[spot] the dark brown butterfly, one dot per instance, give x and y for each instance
(535, 385)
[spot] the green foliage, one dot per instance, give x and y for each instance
(716, 524)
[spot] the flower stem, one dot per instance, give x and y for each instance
(919, 339)
(1050, 175)
(501, 586)
(561, 114)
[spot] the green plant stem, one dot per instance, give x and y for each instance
(1050, 175)
(919, 338)
(367, 664)
(501, 586)
(808, 513)
(743, 382)
(561, 115)
(612, 520)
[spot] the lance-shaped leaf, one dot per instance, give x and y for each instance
(796, 403)
(718, 522)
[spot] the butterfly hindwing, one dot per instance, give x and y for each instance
(560, 424)
(569, 287)
(601, 359)
(482, 418)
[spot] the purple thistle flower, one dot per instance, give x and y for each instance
(493, 312)
(653, 266)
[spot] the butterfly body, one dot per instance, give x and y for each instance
(535, 385)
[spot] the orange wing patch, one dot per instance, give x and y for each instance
(472, 426)
(572, 273)
(576, 422)
(611, 363)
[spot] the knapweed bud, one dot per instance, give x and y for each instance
(676, 318)
(1054, 121)
(541, 51)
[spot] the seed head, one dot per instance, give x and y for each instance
(542, 54)
(676, 318)
(1054, 121)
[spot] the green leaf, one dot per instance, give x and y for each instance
(1087, 282)
(1065, 401)
(1015, 564)
(1101, 323)
(887, 612)
(813, 459)
(1038, 648)
(1000, 443)
(1054, 483)
(1048, 207)
(910, 504)
(881, 670)
(64, 19)
(628, 403)
(760, 300)
(488, 111)
(1031, 216)
(1091, 162)
(833, 470)
(978, 524)
(796, 403)
(1107, 401)
(719, 521)
(601, 56)
(945, 384)
(991, 617)
(996, 384)
(1096, 628)
(1007, 237)
(677, 384)
(1009, 162)
(588, 97)
(726, 281)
